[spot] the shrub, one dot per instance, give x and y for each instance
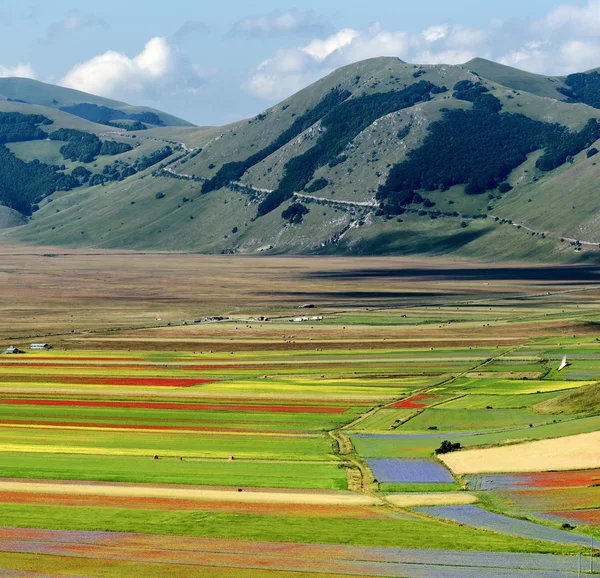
(447, 447)
(294, 214)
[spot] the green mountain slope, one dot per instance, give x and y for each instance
(51, 96)
(580, 401)
(517, 79)
(379, 157)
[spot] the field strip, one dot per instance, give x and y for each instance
(232, 495)
(578, 452)
(333, 339)
(483, 519)
(406, 563)
(213, 431)
(176, 406)
(432, 499)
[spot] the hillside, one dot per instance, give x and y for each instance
(379, 157)
(585, 400)
(30, 91)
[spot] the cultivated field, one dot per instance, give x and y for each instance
(184, 424)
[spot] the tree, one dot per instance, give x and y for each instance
(447, 447)
(294, 214)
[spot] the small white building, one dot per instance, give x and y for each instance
(39, 346)
(12, 351)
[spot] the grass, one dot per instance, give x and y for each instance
(107, 568)
(493, 386)
(174, 444)
(383, 420)
(472, 419)
(518, 401)
(583, 400)
(172, 471)
(304, 422)
(401, 533)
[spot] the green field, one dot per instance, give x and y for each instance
(472, 419)
(172, 471)
(414, 533)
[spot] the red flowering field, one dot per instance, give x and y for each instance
(414, 402)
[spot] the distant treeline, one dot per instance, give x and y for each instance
(23, 185)
(85, 147)
(17, 127)
(583, 87)
(104, 114)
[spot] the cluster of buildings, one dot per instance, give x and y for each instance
(34, 346)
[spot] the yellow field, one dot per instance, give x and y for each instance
(579, 452)
(229, 495)
(442, 499)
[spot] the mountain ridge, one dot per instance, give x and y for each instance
(338, 141)
(52, 96)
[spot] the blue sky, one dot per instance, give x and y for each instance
(215, 62)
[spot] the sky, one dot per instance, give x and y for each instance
(220, 61)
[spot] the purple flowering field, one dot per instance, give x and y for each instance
(409, 471)
(479, 518)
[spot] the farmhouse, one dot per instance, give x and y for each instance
(40, 346)
(12, 351)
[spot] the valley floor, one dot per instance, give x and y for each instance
(279, 417)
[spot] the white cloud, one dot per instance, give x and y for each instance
(278, 22)
(434, 33)
(321, 49)
(74, 22)
(157, 67)
(579, 54)
(585, 20)
(20, 70)
(563, 41)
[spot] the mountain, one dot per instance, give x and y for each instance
(380, 157)
(27, 91)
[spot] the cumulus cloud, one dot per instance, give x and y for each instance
(564, 40)
(157, 66)
(279, 22)
(434, 33)
(20, 70)
(320, 49)
(74, 22)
